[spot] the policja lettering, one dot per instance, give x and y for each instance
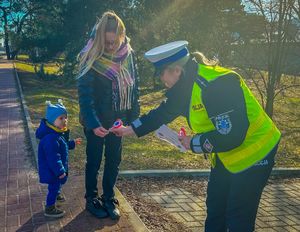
(262, 163)
(197, 107)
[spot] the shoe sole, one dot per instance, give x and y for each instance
(114, 217)
(97, 216)
(60, 201)
(54, 215)
(111, 214)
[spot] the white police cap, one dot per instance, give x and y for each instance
(166, 54)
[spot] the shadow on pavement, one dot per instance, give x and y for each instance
(84, 221)
(34, 223)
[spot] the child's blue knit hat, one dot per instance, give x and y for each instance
(54, 110)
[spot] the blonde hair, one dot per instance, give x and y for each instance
(201, 58)
(109, 22)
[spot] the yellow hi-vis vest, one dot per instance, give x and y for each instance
(262, 134)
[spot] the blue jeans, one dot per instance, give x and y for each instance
(53, 190)
(112, 146)
(233, 199)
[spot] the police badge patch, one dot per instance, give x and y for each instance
(208, 146)
(223, 124)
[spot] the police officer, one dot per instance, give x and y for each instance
(230, 127)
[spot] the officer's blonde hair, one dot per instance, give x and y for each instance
(201, 59)
(109, 22)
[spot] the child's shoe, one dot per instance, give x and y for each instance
(53, 212)
(60, 198)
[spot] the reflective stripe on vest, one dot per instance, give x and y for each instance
(262, 135)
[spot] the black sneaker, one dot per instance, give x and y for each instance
(53, 212)
(111, 206)
(60, 198)
(94, 206)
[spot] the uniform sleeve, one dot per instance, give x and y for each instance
(225, 104)
(85, 85)
(51, 149)
(166, 112)
(176, 104)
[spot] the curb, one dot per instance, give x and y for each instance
(286, 172)
(165, 173)
(276, 172)
(134, 219)
(29, 125)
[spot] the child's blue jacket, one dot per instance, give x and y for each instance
(52, 152)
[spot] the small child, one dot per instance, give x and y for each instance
(53, 152)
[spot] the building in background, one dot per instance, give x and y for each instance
(1, 41)
(2, 49)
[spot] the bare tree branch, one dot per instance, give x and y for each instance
(285, 88)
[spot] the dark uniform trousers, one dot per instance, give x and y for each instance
(233, 199)
(112, 146)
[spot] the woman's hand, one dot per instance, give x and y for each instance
(100, 131)
(123, 131)
(185, 141)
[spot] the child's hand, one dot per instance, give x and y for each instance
(78, 141)
(62, 176)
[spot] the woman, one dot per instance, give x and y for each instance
(107, 89)
(229, 124)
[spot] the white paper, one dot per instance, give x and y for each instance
(166, 134)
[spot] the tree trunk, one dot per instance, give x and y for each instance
(13, 54)
(270, 100)
(6, 38)
(277, 55)
(6, 44)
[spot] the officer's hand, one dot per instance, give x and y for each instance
(185, 141)
(100, 131)
(123, 131)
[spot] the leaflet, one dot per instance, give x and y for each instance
(170, 136)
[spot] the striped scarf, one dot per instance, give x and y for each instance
(119, 69)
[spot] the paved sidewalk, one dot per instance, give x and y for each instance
(21, 195)
(279, 208)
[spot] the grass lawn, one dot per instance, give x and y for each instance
(149, 152)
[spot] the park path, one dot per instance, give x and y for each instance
(21, 196)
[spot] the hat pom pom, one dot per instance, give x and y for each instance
(60, 101)
(47, 103)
